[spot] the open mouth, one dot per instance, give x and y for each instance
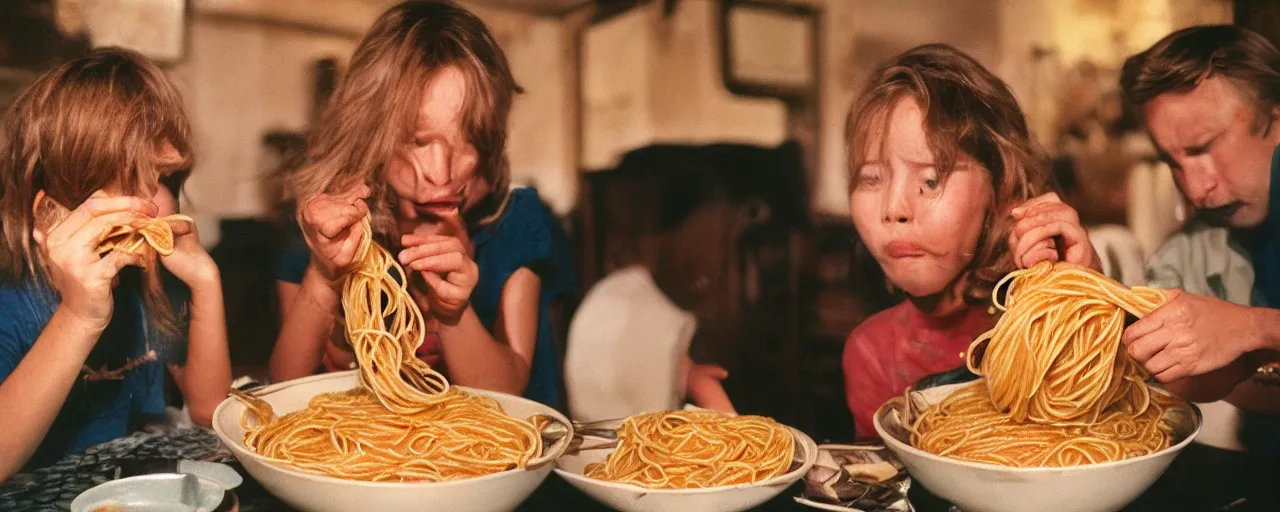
(1220, 215)
(440, 207)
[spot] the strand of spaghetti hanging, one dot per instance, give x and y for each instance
(385, 328)
(1055, 357)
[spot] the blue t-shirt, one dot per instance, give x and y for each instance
(95, 411)
(525, 236)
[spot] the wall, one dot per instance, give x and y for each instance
(544, 120)
(645, 78)
(649, 78)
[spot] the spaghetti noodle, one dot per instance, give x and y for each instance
(1058, 388)
(696, 449)
(155, 233)
(405, 423)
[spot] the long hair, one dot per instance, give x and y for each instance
(93, 123)
(967, 110)
(374, 110)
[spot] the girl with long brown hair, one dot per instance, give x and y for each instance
(939, 152)
(413, 142)
(94, 145)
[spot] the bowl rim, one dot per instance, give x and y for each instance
(896, 444)
(811, 456)
(240, 450)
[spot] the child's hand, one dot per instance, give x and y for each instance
(82, 278)
(705, 389)
(445, 263)
(331, 225)
(1048, 229)
(189, 261)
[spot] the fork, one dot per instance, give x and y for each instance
(604, 431)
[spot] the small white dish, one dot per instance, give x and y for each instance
(165, 492)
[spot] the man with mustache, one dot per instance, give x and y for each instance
(1209, 97)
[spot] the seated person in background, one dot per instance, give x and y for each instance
(628, 353)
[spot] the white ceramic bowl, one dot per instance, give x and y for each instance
(975, 487)
(313, 493)
(631, 498)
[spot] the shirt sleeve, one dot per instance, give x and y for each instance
(12, 350)
(536, 242)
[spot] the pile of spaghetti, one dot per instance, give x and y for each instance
(404, 423)
(1059, 388)
(696, 449)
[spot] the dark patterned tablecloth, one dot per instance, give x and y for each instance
(52, 488)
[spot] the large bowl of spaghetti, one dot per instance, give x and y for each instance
(991, 487)
(466, 482)
(691, 460)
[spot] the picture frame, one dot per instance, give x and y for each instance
(770, 48)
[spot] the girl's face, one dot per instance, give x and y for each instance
(921, 229)
(434, 175)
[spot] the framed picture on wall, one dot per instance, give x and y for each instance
(769, 48)
(154, 28)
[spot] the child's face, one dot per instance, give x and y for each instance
(435, 173)
(923, 231)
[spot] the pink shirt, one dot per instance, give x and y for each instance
(896, 347)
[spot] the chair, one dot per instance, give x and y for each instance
(1121, 254)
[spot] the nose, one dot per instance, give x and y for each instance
(438, 165)
(899, 206)
(1198, 181)
(435, 162)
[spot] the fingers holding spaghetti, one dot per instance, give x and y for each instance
(1056, 376)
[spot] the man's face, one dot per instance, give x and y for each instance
(1220, 157)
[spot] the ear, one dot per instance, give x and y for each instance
(35, 205)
